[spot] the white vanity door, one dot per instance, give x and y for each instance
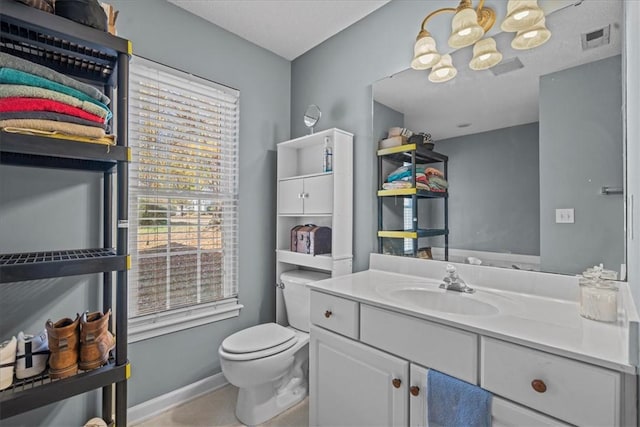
(503, 413)
(351, 384)
(418, 396)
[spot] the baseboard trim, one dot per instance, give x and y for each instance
(157, 405)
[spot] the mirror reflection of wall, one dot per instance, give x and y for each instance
(524, 143)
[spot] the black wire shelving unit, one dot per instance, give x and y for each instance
(412, 154)
(100, 59)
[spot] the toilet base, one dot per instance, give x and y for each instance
(258, 404)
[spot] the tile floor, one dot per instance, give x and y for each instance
(218, 409)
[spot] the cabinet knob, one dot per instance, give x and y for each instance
(414, 390)
(539, 386)
(327, 314)
(397, 382)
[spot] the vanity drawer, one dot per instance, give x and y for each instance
(334, 313)
(435, 346)
(572, 391)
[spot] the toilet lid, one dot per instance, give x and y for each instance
(258, 338)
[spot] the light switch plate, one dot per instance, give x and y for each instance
(564, 216)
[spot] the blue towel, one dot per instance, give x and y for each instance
(455, 403)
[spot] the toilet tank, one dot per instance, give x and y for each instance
(296, 295)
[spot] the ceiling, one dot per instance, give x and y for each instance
(287, 28)
(486, 102)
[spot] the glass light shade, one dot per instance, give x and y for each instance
(531, 37)
(485, 55)
(465, 29)
(443, 71)
(425, 54)
(521, 14)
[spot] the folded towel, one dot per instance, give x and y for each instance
(53, 126)
(16, 63)
(452, 402)
(17, 77)
(396, 184)
(404, 171)
(23, 91)
(48, 115)
(434, 172)
(41, 104)
(105, 140)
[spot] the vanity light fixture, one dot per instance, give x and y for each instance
(468, 26)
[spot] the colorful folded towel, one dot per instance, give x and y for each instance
(23, 91)
(54, 126)
(41, 104)
(20, 64)
(404, 171)
(48, 115)
(17, 77)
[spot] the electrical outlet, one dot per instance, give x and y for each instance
(564, 216)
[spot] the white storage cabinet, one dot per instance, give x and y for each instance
(309, 195)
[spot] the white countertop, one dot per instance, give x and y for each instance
(541, 322)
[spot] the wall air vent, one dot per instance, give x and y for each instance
(599, 37)
(507, 66)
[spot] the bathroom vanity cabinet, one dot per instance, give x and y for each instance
(307, 194)
(368, 366)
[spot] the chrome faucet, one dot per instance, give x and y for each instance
(453, 282)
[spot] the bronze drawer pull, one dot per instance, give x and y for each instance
(396, 382)
(327, 314)
(539, 386)
(414, 390)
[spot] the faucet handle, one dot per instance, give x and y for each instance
(451, 270)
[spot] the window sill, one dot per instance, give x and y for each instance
(154, 325)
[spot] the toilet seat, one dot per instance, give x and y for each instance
(258, 341)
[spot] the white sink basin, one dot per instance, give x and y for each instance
(440, 300)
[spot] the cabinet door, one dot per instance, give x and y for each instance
(417, 396)
(290, 196)
(318, 194)
(503, 413)
(351, 384)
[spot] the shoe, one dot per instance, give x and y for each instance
(95, 340)
(7, 362)
(63, 343)
(95, 422)
(32, 355)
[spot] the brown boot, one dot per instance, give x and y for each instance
(63, 344)
(95, 340)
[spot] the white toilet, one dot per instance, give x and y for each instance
(269, 362)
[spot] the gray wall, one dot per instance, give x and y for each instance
(337, 76)
(578, 155)
(32, 204)
(494, 191)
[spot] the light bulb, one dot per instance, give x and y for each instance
(530, 34)
(518, 16)
(464, 32)
(485, 57)
(426, 59)
(442, 72)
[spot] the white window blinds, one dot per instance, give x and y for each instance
(183, 194)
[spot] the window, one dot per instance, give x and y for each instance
(183, 198)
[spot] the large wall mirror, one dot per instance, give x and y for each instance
(540, 132)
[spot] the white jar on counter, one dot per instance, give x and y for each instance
(598, 299)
